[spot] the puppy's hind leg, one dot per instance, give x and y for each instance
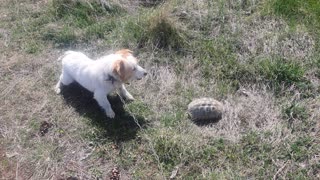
(64, 79)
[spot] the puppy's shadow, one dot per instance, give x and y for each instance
(122, 128)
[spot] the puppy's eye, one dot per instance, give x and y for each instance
(134, 69)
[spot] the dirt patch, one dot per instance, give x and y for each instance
(44, 128)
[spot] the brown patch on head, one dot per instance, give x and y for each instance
(122, 69)
(124, 52)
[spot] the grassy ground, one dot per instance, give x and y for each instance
(260, 58)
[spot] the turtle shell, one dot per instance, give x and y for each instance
(205, 109)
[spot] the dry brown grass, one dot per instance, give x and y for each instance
(273, 37)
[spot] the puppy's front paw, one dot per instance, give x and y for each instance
(57, 90)
(130, 98)
(110, 114)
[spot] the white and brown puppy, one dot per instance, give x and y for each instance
(101, 76)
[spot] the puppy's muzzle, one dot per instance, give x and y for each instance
(144, 74)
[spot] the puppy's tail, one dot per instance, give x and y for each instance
(64, 55)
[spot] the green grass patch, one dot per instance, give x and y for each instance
(61, 37)
(89, 19)
(139, 108)
(32, 47)
(300, 149)
(281, 74)
(100, 30)
(169, 151)
(215, 58)
(129, 32)
(297, 117)
(252, 156)
(81, 13)
(299, 12)
(65, 23)
(296, 111)
(172, 120)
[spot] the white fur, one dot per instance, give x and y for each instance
(93, 75)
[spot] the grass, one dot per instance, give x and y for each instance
(282, 74)
(299, 11)
(260, 58)
(296, 112)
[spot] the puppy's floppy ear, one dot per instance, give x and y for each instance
(119, 69)
(124, 52)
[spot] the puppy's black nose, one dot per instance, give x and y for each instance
(145, 73)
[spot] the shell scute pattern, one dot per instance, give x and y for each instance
(207, 109)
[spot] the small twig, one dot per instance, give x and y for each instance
(279, 170)
(17, 170)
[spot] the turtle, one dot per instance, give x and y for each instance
(205, 110)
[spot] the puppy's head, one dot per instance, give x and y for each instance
(127, 68)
